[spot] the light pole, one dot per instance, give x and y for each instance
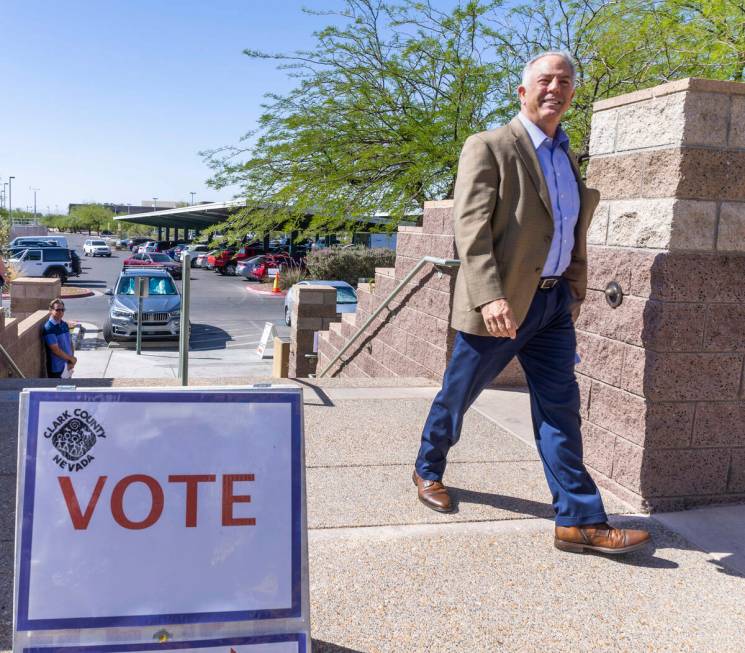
(10, 199)
(34, 189)
(192, 198)
(155, 200)
(5, 194)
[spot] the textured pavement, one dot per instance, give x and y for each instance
(389, 575)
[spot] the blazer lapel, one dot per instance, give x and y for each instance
(526, 151)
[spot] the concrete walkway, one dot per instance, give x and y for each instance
(389, 575)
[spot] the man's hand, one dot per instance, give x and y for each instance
(71, 362)
(499, 320)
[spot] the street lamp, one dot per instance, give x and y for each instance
(155, 200)
(34, 189)
(192, 198)
(10, 199)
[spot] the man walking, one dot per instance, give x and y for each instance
(521, 217)
(56, 335)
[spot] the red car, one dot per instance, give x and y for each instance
(226, 262)
(259, 267)
(154, 258)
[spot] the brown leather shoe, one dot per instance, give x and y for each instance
(432, 494)
(599, 537)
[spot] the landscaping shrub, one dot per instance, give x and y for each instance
(349, 263)
(290, 276)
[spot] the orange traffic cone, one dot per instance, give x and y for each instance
(275, 287)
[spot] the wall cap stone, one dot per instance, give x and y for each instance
(438, 204)
(678, 86)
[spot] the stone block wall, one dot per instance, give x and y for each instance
(30, 294)
(412, 336)
(22, 340)
(314, 310)
(662, 375)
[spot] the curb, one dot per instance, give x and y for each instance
(88, 293)
(265, 292)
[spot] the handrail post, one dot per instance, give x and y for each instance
(437, 262)
(12, 363)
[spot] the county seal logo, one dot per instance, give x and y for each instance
(74, 436)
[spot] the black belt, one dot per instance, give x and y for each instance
(546, 283)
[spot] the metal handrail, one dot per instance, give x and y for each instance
(11, 362)
(437, 262)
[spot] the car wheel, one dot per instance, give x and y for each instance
(288, 318)
(108, 334)
(85, 253)
(230, 270)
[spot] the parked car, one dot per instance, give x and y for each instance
(96, 247)
(43, 262)
(346, 297)
(226, 261)
(32, 241)
(161, 309)
(149, 246)
(203, 258)
(133, 243)
(260, 267)
(157, 259)
(194, 252)
(16, 251)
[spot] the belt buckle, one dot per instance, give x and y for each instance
(547, 284)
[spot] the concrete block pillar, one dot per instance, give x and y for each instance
(314, 310)
(662, 374)
(31, 294)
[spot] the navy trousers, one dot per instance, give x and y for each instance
(545, 346)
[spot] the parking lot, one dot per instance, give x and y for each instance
(227, 322)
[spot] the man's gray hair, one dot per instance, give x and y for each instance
(553, 53)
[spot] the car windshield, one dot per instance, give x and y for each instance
(345, 296)
(97, 242)
(160, 258)
(156, 286)
(256, 260)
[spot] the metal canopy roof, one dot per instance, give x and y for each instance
(198, 216)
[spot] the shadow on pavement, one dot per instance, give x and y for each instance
(86, 283)
(206, 337)
(319, 646)
(503, 502)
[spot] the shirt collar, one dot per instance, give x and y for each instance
(538, 137)
(55, 322)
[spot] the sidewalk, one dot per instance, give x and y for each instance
(161, 360)
(389, 575)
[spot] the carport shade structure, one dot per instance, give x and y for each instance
(201, 216)
(196, 217)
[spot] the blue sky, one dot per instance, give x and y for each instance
(111, 100)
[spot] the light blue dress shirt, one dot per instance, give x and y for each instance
(562, 188)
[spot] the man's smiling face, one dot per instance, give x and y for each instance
(548, 92)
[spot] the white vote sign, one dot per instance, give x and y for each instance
(149, 508)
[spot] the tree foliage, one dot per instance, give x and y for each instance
(385, 99)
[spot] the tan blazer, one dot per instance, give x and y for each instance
(504, 226)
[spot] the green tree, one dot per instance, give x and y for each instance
(93, 217)
(376, 122)
(387, 96)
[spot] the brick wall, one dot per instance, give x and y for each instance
(662, 374)
(22, 340)
(21, 334)
(412, 336)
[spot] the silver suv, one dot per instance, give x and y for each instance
(161, 309)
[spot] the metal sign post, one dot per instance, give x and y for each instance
(183, 339)
(141, 289)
